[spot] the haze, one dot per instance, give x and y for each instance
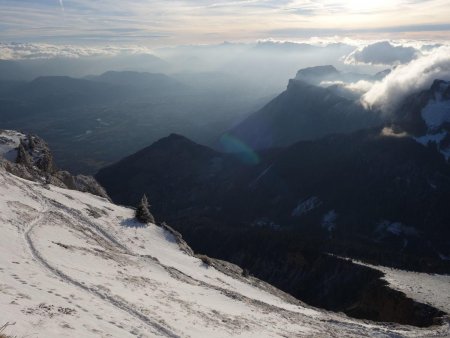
(207, 65)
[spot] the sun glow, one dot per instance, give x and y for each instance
(207, 21)
(366, 6)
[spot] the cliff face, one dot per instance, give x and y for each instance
(29, 157)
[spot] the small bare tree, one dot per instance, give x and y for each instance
(143, 213)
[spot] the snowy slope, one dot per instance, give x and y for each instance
(74, 265)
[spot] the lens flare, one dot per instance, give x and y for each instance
(233, 145)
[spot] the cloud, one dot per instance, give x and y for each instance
(382, 53)
(407, 79)
(29, 51)
(389, 132)
(360, 87)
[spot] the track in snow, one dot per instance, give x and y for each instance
(161, 330)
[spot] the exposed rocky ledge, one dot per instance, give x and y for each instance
(29, 157)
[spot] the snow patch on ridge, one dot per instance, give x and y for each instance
(396, 228)
(305, 206)
(329, 220)
(434, 138)
(436, 113)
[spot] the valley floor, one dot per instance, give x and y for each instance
(75, 265)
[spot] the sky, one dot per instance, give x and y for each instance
(175, 22)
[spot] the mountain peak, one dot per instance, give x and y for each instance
(174, 139)
(318, 71)
(175, 136)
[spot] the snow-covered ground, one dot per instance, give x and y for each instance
(74, 265)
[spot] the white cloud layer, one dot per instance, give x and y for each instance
(21, 51)
(383, 53)
(407, 79)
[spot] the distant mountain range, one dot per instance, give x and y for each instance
(29, 69)
(109, 86)
(87, 121)
(93, 121)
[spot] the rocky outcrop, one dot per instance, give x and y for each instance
(29, 157)
(178, 238)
